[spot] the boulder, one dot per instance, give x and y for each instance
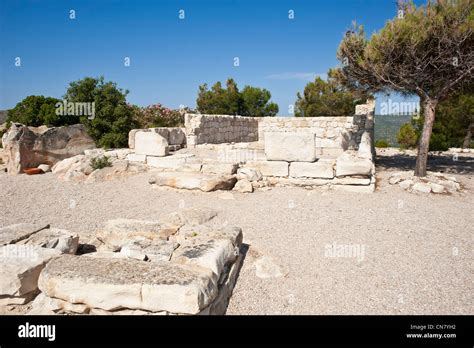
(290, 146)
(269, 168)
(350, 164)
(119, 232)
(194, 181)
(15, 233)
(20, 268)
(150, 144)
(437, 188)
(243, 186)
(111, 284)
(29, 147)
(64, 166)
(318, 169)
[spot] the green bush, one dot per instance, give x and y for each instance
(100, 162)
(113, 117)
(37, 110)
(382, 143)
(407, 137)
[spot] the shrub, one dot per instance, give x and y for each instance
(37, 110)
(157, 115)
(113, 117)
(407, 137)
(100, 162)
(382, 143)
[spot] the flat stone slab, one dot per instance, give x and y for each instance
(15, 233)
(290, 146)
(111, 284)
(322, 170)
(269, 168)
(149, 250)
(194, 181)
(20, 267)
(119, 232)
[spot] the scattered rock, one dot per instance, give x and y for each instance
(53, 238)
(436, 188)
(243, 186)
(421, 187)
(15, 233)
(406, 184)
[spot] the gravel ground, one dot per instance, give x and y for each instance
(415, 251)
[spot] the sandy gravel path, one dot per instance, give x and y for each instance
(417, 250)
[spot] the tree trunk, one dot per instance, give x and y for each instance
(467, 139)
(429, 107)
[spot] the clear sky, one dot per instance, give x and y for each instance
(170, 57)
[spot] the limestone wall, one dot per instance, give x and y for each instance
(333, 134)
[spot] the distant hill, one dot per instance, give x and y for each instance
(3, 116)
(387, 126)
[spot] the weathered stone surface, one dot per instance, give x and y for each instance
(365, 147)
(312, 170)
(219, 168)
(349, 164)
(15, 233)
(177, 136)
(196, 216)
(177, 162)
(351, 181)
(269, 168)
(203, 233)
(194, 181)
(250, 174)
(243, 186)
(44, 305)
(29, 147)
(133, 157)
(65, 165)
(145, 249)
(112, 284)
(150, 144)
(290, 146)
(421, 187)
(211, 254)
(20, 266)
(354, 188)
(405, 184)
(436, 188)
(54, 238)
(119, 232)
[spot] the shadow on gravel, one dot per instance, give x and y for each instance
(443, 163)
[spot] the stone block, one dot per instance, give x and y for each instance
(269, 168)
(349, 164)
(150, 144)
(194, 181)
(290, 146)
(312, 170)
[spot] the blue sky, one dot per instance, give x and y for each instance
(171, 57)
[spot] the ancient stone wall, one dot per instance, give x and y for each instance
(333, 135)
